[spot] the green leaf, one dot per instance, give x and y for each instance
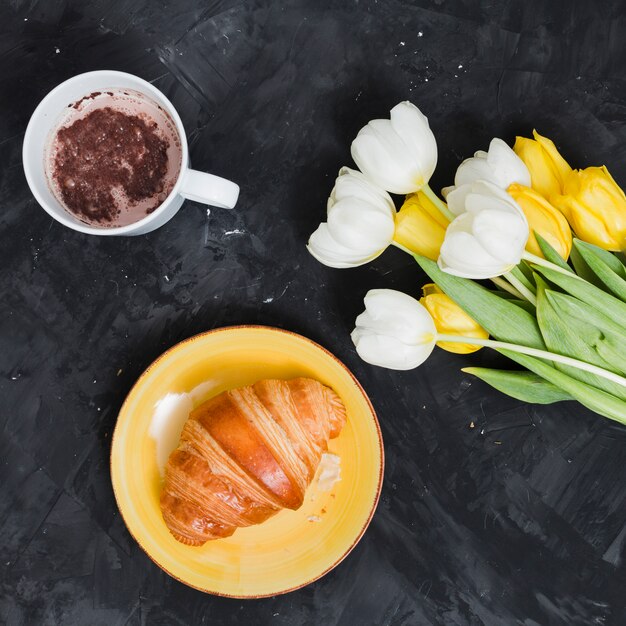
(599, 401)
(527, 271)
(615, 283)
(524, 304)
(550, 254)
(612, 353)
(524, 386)
(606, 337)
(583, 270)
(568, 337)
(604, 255)
(586, 315)
(598, 299)
(499, 317)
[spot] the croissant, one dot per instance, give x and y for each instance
(246, 454)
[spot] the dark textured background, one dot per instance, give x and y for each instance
(520, 520)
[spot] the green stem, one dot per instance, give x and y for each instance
(440, 204)
(500, 282)
(537, 260)
(519, 285)
(541, 354)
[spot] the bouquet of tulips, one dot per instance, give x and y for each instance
(548, 237)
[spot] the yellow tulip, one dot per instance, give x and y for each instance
(548, 169)
(451, 319)
(595, 207)
(544, 219)
(420, 226)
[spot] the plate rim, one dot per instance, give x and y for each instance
(373, 414)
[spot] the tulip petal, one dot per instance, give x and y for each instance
(473, 169)
(446, 190)
(559, 165)
(328, 251)
(484, 195)
(462, 255)
(543, 219)
(353, 184)
(503, 235)
(382, 156)
(489, 238)
(394, 331)
(508, 166)
(499, 166)
(360, 225)
(389, 352)
(398, 154)
(412, 127)
(456, 198)
(398, 315)
(595, 206)
(543, 176)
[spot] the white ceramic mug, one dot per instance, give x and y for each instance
(191, 184)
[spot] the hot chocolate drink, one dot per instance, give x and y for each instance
(114, 158)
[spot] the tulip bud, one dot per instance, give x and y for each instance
(544, 219)
(499, 166)
(488, 238)
(420, 226)
(548, 169)
(359, 226)
(398, 154)
(394, 331)
(595, 207)
(451, 319)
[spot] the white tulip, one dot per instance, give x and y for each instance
(394, 331)
(398, 154)
(488, 237)
(499, 166)
(360, 223)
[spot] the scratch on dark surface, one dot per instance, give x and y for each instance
(293, 39)
(35, 532)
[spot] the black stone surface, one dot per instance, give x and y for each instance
(519, 520)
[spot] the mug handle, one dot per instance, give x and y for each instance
(209, 189)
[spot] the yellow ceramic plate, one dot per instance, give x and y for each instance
(291, 549)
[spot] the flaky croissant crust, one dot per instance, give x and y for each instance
(246, 454)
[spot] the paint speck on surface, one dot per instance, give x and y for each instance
(420, 34)
(57, 50)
